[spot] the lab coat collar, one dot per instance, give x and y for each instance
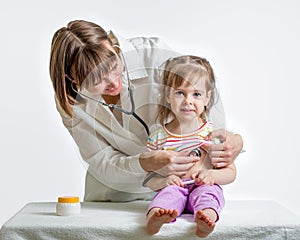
(133, 59)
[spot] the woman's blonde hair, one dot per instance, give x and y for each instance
(180, 70)
(79, 58)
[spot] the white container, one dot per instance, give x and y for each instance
(67, 206)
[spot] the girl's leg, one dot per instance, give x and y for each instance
(206, 203)
(165, 207)
(205, 222)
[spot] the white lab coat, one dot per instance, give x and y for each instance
(112, 149)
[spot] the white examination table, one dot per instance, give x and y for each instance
(239, 220)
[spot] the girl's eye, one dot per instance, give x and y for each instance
(197, 94)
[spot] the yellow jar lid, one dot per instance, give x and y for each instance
(68, 199)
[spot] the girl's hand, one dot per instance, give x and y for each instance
(226, 152)
(173, 180)
(205, 177)
(158, 182)
(167, 163)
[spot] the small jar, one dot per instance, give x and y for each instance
(68, 205)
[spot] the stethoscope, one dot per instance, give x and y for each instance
(132, 111)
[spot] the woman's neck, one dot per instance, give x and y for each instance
(111, 99)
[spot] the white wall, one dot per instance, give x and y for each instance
(252, 45)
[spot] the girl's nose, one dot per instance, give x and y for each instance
(188, 101)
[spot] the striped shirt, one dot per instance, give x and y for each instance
(163, 139)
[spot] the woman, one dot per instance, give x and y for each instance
(86, 68)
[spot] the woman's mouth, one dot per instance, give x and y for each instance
(114, 88)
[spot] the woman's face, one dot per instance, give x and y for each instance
(112, 84)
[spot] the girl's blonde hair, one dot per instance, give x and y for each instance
(79, 58)
(185, 69)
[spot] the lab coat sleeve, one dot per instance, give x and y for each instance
(108, 165)
(117, 170)
(113, 168)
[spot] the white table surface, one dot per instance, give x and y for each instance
(238, 220)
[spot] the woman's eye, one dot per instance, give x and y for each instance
(179, 93)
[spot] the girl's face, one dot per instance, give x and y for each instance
(188, 100)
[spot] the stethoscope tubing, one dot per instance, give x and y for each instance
(132, 111)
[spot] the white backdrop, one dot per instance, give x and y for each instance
(252, 45)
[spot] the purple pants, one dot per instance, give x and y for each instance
(189, 199)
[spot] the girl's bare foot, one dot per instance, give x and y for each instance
(205, 221)
(159, 216)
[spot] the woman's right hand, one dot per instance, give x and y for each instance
(166, 162)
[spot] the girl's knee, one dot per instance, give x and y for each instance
(174, 191)
(208, 196)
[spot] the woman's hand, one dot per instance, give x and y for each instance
(166, 163)
(226, 152)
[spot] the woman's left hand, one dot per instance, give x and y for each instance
(226, 152)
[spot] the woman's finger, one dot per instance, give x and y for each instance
(221, 134)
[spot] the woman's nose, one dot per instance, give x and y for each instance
(111, 80)
(112, 84)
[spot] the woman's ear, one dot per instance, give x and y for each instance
(167, 95)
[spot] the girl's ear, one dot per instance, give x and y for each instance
(207, 99)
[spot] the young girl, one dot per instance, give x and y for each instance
(188, 95)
